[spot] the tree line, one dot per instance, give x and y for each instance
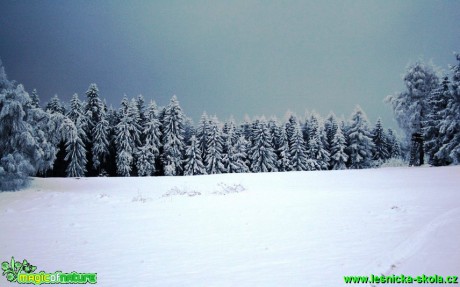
(88, 138)
(142, 139)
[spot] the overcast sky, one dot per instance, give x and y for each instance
(228, 57)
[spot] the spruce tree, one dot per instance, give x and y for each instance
(140, 104)
(56, 111)
(75, 112)
(127, 139)
(94, 113)
(214, 158)
(55, 106)
(330, 129)
(380, 151)
(338, 155)
(125, 148)
(262, 155)
(297, 152)
(360, 143)
(113, 119)
(100, 145)
(34, 99)
(290, 126)
(202, 134)
(149, 153)
(316, 152)
(281, 146)
(74, 148)
(449, 127)
(193, 162)
(94, 108)
(246, 128)
(189, 130)
(237, 154)
(5, 84)
(394, 150)
(173, 138)
(437, 102)
(145, 161)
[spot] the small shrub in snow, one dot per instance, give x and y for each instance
(140, 198)
(103, 195)
(176, 191)
(227, 189)
(394, 162)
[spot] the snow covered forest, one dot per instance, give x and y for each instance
(89, 138)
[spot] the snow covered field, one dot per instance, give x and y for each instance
(272, 229)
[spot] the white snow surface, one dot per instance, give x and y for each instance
(267, 229)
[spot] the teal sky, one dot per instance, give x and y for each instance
(228, 57)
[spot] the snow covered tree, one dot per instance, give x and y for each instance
(338, 155)
(75, 149)
(16, 140)
(124, 147)
(410, 107)
(436, 102)
(315, 148)
(56, 111)
(281, 146)
(149, 153)
(229, 138)
(100, 145)
(24, 148)
(238, 158)
(202, 134)
(55, 106)
(76, 115)
(229, 134)
(330, 129)
(127, 139)
(214, 158)
(34, 99)
(145, 161)
(360, 141)
(290, 126)
(449, 126)
(75, 112)
(152, 128)
(246, 128)
(297, 152)
(42, 133)
(189, 130)
(173, 138)
(140, 104)
(5, 84)
(394, 149)
(124, 105)
(94, 107)
(379, 138)
(193, 162)
(96, 145)
(111, 164)
(262, 155)
(134, 115)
